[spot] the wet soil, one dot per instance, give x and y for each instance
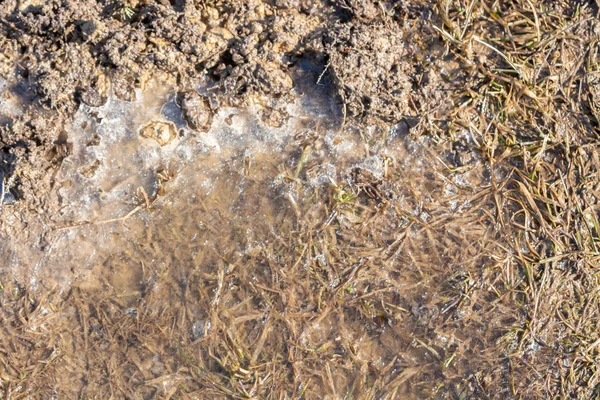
(298, 199)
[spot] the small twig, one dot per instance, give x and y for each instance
(106, 221)
(146, 199)
(4, 190)
(467, 20)
(537, 21)
(324, 71)
(517, 70)
(148, 205)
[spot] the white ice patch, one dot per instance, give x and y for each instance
(10, 106)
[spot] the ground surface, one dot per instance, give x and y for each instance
(487, 291)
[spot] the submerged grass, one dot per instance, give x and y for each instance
(473, 276)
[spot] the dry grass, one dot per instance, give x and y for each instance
(529, 105)
(475, 276)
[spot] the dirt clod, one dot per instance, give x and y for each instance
(196, 110)
(162, 132)
(97, 93)
(371, 69)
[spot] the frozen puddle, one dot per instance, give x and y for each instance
(131, 207)
(232, 173)
(112, 162)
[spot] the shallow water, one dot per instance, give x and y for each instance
(215, 218)
(242, 168)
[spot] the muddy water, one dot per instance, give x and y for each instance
(245, 204)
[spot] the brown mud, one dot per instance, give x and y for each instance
(299, 199)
